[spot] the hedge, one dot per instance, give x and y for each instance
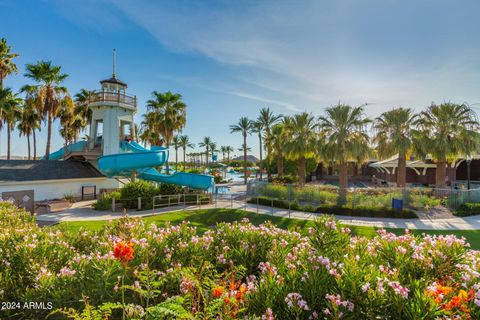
(468, 209)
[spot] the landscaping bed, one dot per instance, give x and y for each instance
(359, 211)
(234, 271)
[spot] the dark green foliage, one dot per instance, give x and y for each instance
(468, 209)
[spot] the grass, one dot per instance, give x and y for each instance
(208, 218)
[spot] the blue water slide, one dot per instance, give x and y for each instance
(142, 160)
(58, 155)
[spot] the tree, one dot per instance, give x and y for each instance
(228, 150)
(257, 127)
(267, 120)
(185, 143)
(70, 121)
(34, 105)
(213, 148)
(278, 138)
(302, 142)
(176, 146)
(223, 150)
(445, 132)
(48, 90)
(170, 115)
(9, 107)
(244, 126)
(393, 135)
(206, 143)
(7, 66)
(346, 139)
(29, 121)
(82, 99)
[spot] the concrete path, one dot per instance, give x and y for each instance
(84, 212)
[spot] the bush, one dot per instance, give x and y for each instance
(284, 180)
(167, 188)
(105, 202)
(339, 210)
(69, 197)
(468, 209)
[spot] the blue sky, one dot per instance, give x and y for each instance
(230, 58)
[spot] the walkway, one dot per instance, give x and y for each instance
(84, 212)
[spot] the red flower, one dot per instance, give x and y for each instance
(123, 251)
(217, 292)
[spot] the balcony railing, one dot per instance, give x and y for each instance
(113, 96)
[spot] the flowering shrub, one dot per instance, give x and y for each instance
(234, 271)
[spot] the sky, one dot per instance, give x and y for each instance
(230, 58)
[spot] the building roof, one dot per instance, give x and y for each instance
(37, 170)
(114, 80)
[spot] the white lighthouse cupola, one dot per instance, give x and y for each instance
(113, 113)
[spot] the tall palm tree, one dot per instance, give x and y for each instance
(29, 121)
(393, 135)
(302, 142)
(35, 113)
(176, 146)
(223, 150)
(257, 127)
(268, 119)
(213, 149)
(228, 150)
(278, 138)
(344, 128)
(48, 90)
(82, 99)
(7, 66)
(9, 106)
(185, 143)
(170, 113)
(206, 143)
(244, 126)
(70, 121)
(445, 132)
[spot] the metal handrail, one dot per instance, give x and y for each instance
(112, 96)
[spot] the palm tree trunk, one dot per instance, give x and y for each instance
(440, 174)
(301, 170)
(184, 163)
(49, 136)
(206, 158)
(267, 157)
(34, 145)
(280, 165)
(168, 166)
(28, 145)
(228, 157)
(9, 134)
(261, 164)
(176, 159)
(401, 170)
(343, 175)
(245, 158)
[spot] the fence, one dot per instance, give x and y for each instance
(357, 198)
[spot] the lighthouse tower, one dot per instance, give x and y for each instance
(112, 115)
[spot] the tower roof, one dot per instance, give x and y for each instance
(115, 81)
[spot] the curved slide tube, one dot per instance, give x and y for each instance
(58, 155)
(142, 160)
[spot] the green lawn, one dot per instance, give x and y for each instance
(207, 218)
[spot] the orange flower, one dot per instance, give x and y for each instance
(217, 292)
(241, 291)
(123, 251)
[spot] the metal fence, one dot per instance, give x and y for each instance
(355, 198)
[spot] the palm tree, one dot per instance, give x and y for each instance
(213, 148)
(82, 99)
(394, 131)
(303, 136)
(9, 109)
(278, 138)
(35, 114)
(244, 126)
(257, 127)
(7, 66)
(344, 129)
(228, 149)
(223, 150)
(185, 143)
(176, 146)
(170, 113)
(445, 132)
(48, 91)
(70, 121)
(206, 143)
(268, 119)
(29, 120)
